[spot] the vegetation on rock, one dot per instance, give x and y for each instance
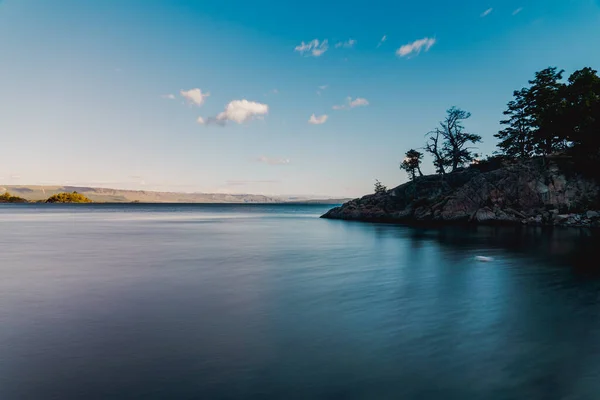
(8, 198)
(546, 169)
(412, 163)
(379, 187)
(551, 116)
(68, 198)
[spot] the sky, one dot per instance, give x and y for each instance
(263, 96)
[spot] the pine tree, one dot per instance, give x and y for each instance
(516, 140)
(412, 163)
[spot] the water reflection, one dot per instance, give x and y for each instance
(278, 307)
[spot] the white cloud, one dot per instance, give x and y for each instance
(194, 96)
(315, 47)
(518, 10)
(273, 161)
(416, 47)
(347, 44)
(238, 111)
(322, 88)
(317, 120)
(486, 12)
(358, 102)
(382, 41)
(168, 96)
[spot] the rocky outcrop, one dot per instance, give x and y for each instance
(516, 193)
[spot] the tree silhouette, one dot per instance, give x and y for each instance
(454, 152)
(412, 163)
(379, 187)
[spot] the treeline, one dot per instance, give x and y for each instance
(549, 116)
(57, 198)
(68, 198)
(6, 197)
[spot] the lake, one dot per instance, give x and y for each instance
(139, 301)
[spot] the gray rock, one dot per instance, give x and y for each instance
(592, 214)
(514, 193)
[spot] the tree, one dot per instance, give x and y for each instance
(545, 105)
(434, 147)
(9, 198)
(455, 152)
(412, 163)
(379, 187)
(581, 117)
(516, 140)
(68, 198)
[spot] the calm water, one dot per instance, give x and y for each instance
(265, 302)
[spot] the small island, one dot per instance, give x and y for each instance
(9, 198)
(546, 170)
(68, 198)
(64, 197)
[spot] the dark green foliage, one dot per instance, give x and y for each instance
(68, 198)
(551, 116)
(412, 163)
(8, 198)
(545, 106)
(582, 111)
(379, 187)
(516, 140)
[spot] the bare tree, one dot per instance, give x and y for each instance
(433, 147)
(454, 149)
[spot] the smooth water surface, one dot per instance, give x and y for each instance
(265, 302)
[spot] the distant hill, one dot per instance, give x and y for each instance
(103, 195)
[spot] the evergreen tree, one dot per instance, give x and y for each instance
(516, 140)
(545, 106)
(379, 187)
(412, 163)
(582, 111)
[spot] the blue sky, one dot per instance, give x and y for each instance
(85, 87)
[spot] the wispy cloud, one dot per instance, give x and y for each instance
(348, 44)
(358, 102)
(168, 96)
(243, 182)
(415, 47)
(315, 47)
(238, 111)
(317, 120)
(486, 12)
(194, 96)
(273, 161)
(518, 10)
(322, 88)
(382, 41)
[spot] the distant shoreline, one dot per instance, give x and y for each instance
(35, 193)
(99, 203)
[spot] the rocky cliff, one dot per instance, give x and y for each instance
(531, 192)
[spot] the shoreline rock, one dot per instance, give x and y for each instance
(519, 193)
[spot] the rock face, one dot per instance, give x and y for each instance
(518, 193)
